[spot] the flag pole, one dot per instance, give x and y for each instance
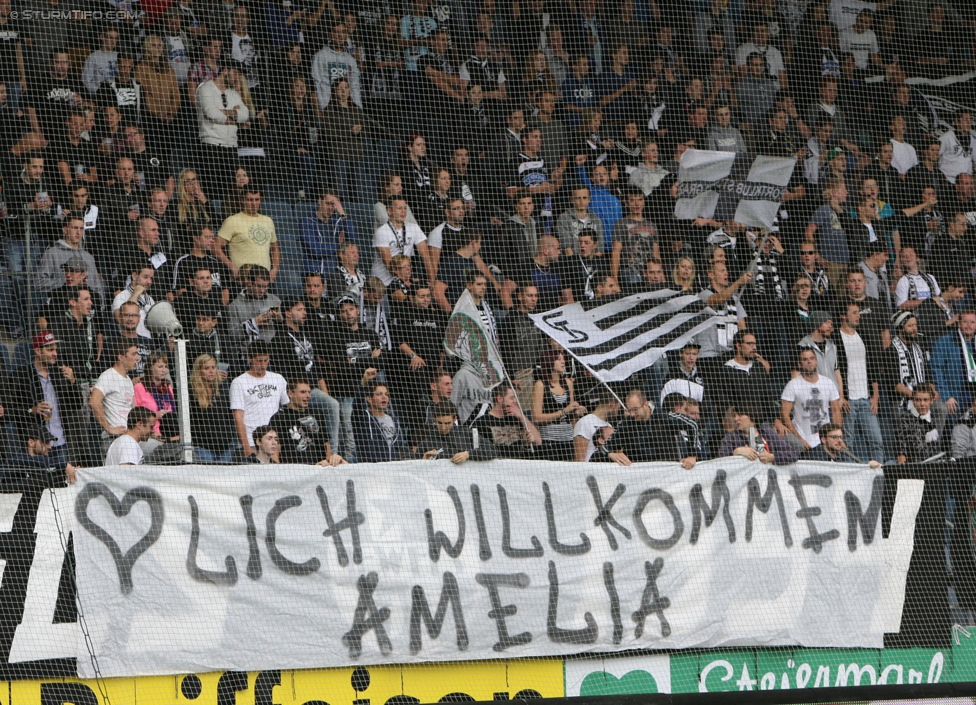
(595, 375)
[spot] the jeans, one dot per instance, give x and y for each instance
(328, 409)
(863, 432)
(202, 455)
(349, 439)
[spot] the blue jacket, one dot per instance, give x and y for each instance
(604, 204)
(949, 372)
(320, 241)
(371, 445)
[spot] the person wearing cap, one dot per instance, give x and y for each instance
(356, 356)
(906, 365)
(818, 340)
(35, 454)
(50, 274)
(44, 394)
(75, 273)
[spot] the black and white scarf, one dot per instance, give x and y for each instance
(354, 283)
(379, 324)
(913, 287)
(911, 364)
(821, 284)
(767, 281)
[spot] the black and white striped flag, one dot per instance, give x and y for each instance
(615, 338)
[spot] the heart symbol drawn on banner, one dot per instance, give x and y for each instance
(124, 562)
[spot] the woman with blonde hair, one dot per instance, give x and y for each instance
(192, 205)
(683, 274)
(210, 414)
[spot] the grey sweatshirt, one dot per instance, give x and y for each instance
(727, 139)
(50, 276)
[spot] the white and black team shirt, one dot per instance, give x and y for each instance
(532, 171)
(446, 234)
(860, 44)
(956, 154)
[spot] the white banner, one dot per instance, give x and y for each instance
(190, 569)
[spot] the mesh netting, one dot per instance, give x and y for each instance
(445, 350)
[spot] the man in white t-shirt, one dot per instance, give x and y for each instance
(256, 395)
(808, 402)
(903, 154)
(843, 13)
(111, 397)
(861, 42)
(958, 147)
(126, 449)
(586, 429)
(397, 237)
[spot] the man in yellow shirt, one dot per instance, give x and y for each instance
(249, 237)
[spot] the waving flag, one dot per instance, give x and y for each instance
(614, 338)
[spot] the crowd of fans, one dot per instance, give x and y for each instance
(524, 152)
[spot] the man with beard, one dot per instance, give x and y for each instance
(745, 377)
(906, 365)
